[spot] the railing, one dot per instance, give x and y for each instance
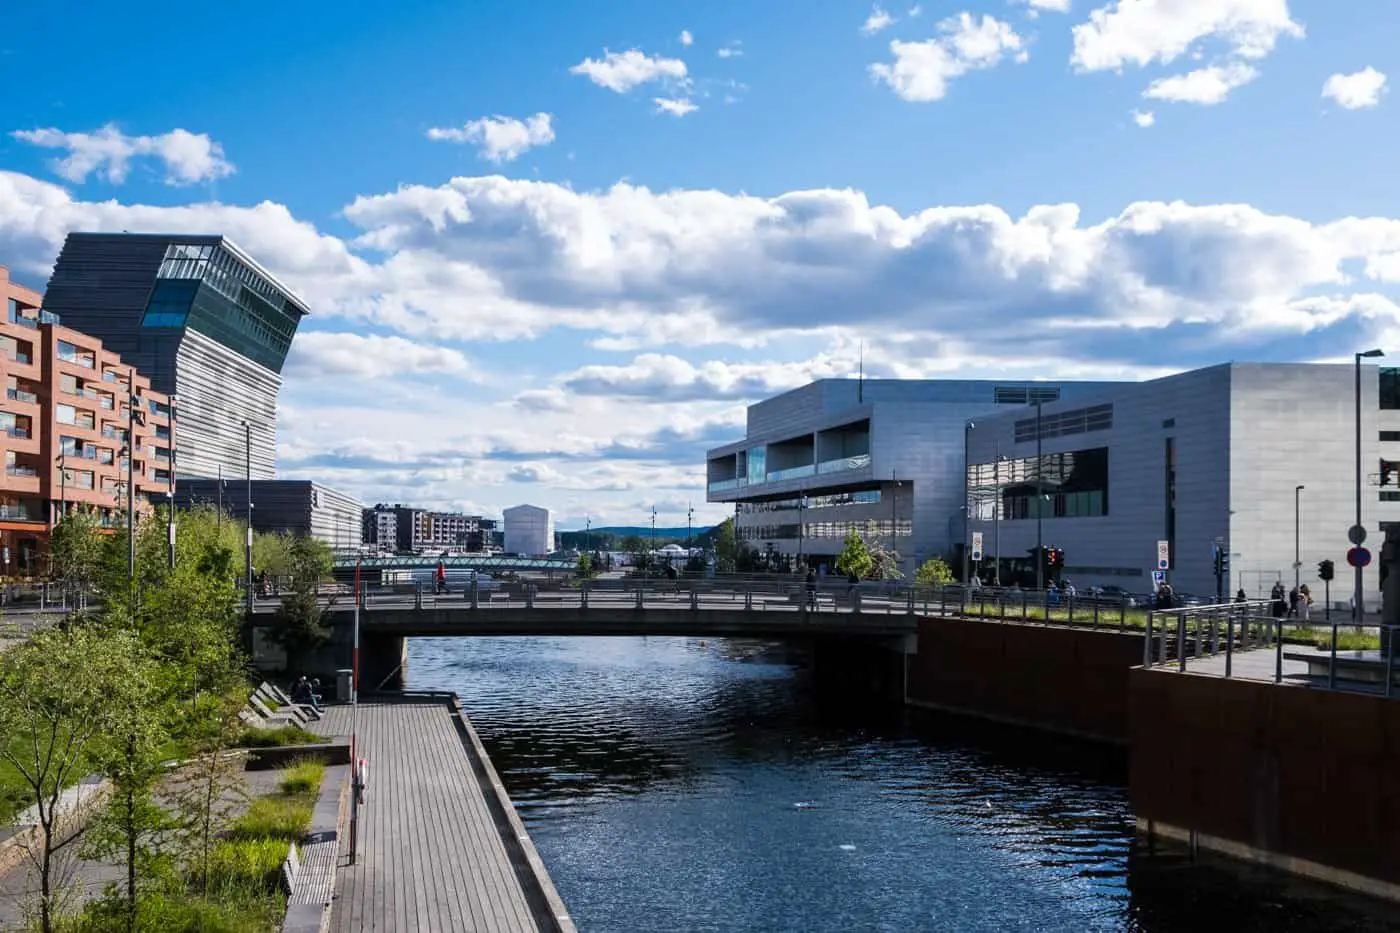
(19, 395)
(724, 485)
(85, 360)
(22, 433)
(19, 513)
(14, 470)
(1244, 641)
(19, 356)
(858, 462)
(796, 472)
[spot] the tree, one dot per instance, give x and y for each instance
(855, 558)
(55, 709)
(77, 549)
(933, 572)
(586, 567)
(637, 552)
(696, 563)
(885, 563)
(726, 547)
(207, 800)
(301, 624)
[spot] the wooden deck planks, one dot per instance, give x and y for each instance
(431, 856)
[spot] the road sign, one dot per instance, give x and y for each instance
(977, 545)
(1164, 558)
(1359, 557)
(1159, 577)
(1356, 534)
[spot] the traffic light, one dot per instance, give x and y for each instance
(1325, 570)
(1387, 471)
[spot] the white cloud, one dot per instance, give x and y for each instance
(665, 378)
(1356, 91)
(733, 49)
(686, 38)
(675, 106)
(500, 139)
(1143, 118)
(533, 473)
(1205, 86)
(623, 71)
(878, 19)
(921, 70)
(319, 354)
(1140, 32)
(1049, 6)
(187, 158)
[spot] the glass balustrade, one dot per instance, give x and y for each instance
(858, 462)
(796, 472)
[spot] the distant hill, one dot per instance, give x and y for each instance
(623, 531)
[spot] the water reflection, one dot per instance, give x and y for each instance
(673, 784)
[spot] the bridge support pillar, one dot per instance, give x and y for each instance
(748, 599)
(529, 596)
(418, 597)
(475, 594)
(855, 600)
(694, 600)
(639, 597)
(383, 661)
(583, 594)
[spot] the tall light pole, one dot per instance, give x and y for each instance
(1297, 534)
(62, 486)
(652, 557)
(801, 525)
(170, 530)
(996, 515)
(587, 528)
(1360, 595)
(967, 502)
(248, 471)
(1039, 506)
(132, 400)
(894, 512)
(689, 519)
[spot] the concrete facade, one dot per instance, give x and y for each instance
(529, 530)
(882, 456)
(1243, 437)
(298, 507)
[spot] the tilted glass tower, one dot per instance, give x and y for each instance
(203, 320)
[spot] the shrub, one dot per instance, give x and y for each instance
(303, 777)
(282, 818)
(173, 912)
(276, 738)
(243, 866)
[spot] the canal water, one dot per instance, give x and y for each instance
(681, 785)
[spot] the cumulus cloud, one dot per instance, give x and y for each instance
(675, 106)
(186, 158)
(1141, 32)
(328, 354)
(532, 473)
(1049, 6)
(686, 38)
(665, 378)
(878, 19)
(1205, 86)
(622, 71)
(731, 49)
(500, 139)
(1356, 91)
(921, 70)
(1144, 118)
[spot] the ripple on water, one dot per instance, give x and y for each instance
(674, 786)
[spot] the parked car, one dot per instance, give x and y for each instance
(1116, 595)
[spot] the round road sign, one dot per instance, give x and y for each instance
(1356, 534)
(1359, 557)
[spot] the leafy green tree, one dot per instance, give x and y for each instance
(726, 547)
(207, 800)
(586, 567)
(696, 563)
(637, 552)
(55, 711)
(272, 553)
(301, 624)
(885, 563)
(855, 558)
(77, 550)
(933, 572)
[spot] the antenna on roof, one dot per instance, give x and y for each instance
(860, 381)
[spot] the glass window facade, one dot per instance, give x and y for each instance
(1073, 484)
(1390, 388)
(757, 465)
(170, 302)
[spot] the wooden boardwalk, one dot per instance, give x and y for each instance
(434, 855)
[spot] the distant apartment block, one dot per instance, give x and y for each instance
(204, 320)
(294, 506)
(402, 528)
(64, 425)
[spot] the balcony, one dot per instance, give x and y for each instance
(19, 395)
(724, 485)
(21, 433)
(15, 469)
(19, 356)
(797, 472)
(859, 462)
(20, 513)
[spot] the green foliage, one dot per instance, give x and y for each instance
(303, 777)
(585, 568)
(241, 864)
(77, 550)
(283, 817)
(933, 572)
(638, 554)
(696, 563)
(275, 738)
(855, 558)
(175, 911)
(726, 547)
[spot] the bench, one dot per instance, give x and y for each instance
(1358, 666)
(302, 713)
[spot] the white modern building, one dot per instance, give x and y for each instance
(529, 530)
(876, 456)
(1213, 458)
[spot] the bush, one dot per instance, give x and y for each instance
(276, 738)
(238, 866)
(282, 818)
(303, 777)
(173, 912)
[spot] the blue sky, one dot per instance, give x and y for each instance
(1090, 188)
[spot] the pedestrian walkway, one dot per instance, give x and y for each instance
(435, 855)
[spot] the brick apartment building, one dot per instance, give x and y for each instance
(63, 427)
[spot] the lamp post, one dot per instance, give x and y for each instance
(248, 471)
(1360, 594)
(1297, 534)
(894, 512)
(967, 502)
(689, 518)
(62, 486)
(587, 527)
(1039, 506)
(132, 400)
(801, 527)
(170, 493)
(996, 515)
(652, 556)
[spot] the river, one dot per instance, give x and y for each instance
(682, 785)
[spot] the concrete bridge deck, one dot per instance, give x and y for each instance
(440, 846)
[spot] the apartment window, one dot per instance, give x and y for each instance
(162, 476)
(71, 353)
(66, 414)
(163, 432)
(1390, 435)
(1390, 495)
(82, 479)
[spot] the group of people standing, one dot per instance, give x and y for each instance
(1295, 604)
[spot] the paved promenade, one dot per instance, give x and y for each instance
(435, 855)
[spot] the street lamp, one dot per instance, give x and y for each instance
(996, 514)
(651, 558)
(1039, 504)
(587, 527)
(801, 527)
(1297, 534)
(248, 471)
(967, 502)
(62, 486)
(894, 512)
(1360, 595)
(170, 492)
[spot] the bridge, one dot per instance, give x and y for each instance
(345, 563)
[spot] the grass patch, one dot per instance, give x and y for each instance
(285, 737)
(303, 777)
(280, 817)
(237, 865)
(1348, 638)
(179, 912)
